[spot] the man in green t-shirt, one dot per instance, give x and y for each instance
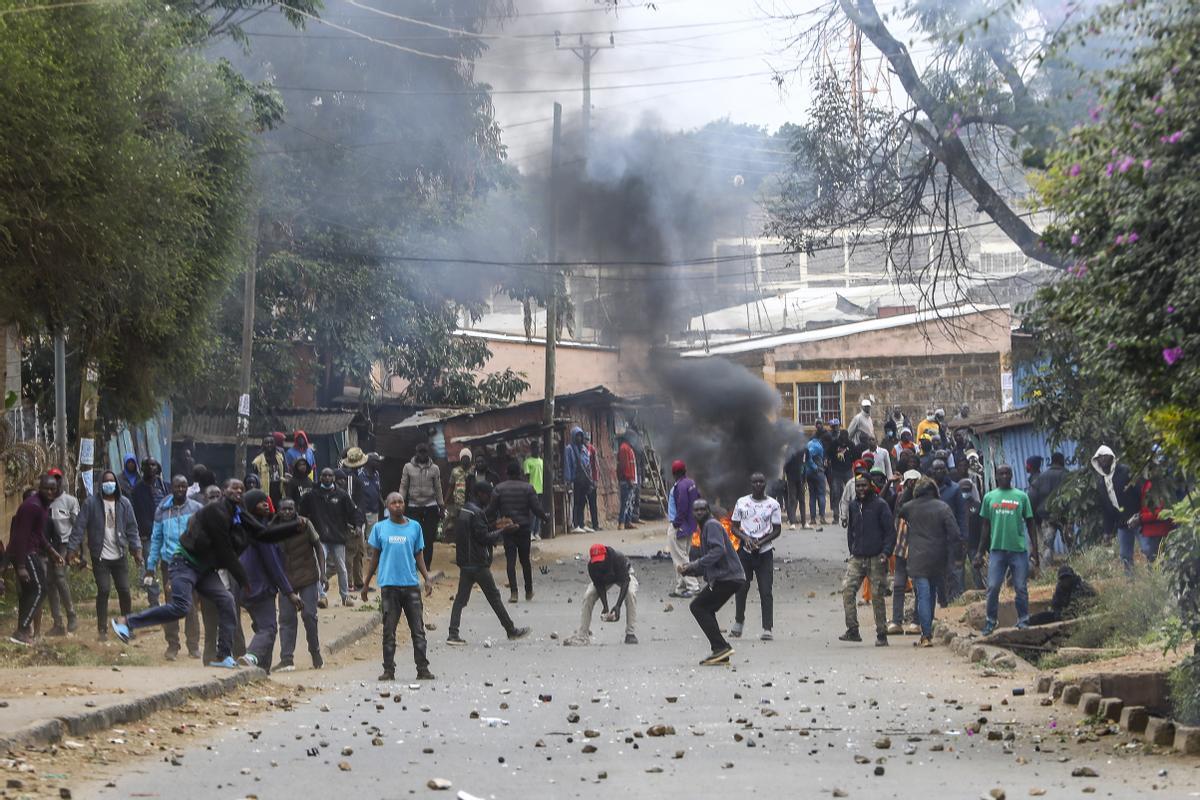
(533, 469)
(1007, 530)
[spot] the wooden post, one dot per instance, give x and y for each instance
(551, 325)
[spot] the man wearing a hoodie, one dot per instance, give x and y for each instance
(870, 538)
(266, 576)
(1118, 500)
(129, 475)
(332, 513)
(301, 449)
(933, 544)
(577, 472)
(723, 575)
(170, 523)
(421, 487)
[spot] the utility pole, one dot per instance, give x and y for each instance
(586, 51)
(551, 323)
(89, 403)
(60, 400)
(243, 421)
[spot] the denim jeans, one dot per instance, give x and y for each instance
(394, 602)
(186, 578)
(816, 497)
(923, 589)
(1001, 562)
(335, 557)
(1150, 545)
(1125, 541)
(627, 491)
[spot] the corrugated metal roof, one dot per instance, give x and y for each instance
(215, 427)
(838, 331)
(596, 393)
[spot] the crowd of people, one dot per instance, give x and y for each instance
(918, 523)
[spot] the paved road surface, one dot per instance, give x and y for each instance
(789, 718)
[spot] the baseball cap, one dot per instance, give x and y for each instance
(866, 401)
(678, 466)
(912, 475)
(597, 553)
(54, 472)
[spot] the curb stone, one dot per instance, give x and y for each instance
(93, 720)
(351, 636)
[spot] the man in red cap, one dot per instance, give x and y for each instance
(683, 525)
(608, 567)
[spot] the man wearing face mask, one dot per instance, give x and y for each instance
(332, 513)
(107, 521)
(215, 538)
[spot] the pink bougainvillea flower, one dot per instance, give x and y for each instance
(1172, 354)
(1132, 237)
(1147, 164)
(1112, 345)
(1160, 111)
(1170, 309)
(1126, 163)
(1095, 112)
(1074, 170)
(1109, 168)
(1120, 240)
(1075, 240)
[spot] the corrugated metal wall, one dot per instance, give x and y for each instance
(1013, 445)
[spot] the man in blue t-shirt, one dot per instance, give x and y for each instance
(394, 544)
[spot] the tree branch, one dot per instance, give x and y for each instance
(950, 151)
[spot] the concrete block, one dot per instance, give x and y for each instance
(979, 654)
(1160, 731)
(1187, 740)
(1043, 683)
(1134, 718)
(1089, 703)
(1070, 695)
(1056, 687)
(1111, 707)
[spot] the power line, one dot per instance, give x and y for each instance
(438, 92)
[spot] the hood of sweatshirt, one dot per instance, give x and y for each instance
(1103, 450)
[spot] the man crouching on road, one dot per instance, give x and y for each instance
(871, 539)
(395, 546)
(607, 567)
(722, 570)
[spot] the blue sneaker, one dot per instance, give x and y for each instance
(1022, 626)
(226, 663)
(988, 628)
(121, 630)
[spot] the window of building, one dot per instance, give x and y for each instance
(817, 401)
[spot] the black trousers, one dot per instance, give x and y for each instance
(108, 572)
(427, 518)
(760, 567)
(705, 606)
(406, 600)
(33, 591)
(468, 577)
(517, 544)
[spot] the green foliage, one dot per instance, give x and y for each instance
(1185, 691)
(1125, 613)
(1120, 334)
(123, 161)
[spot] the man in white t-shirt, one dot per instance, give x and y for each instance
(757, 522)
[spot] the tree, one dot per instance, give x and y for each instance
(1121, 330)
(123, 161)
(990, 100)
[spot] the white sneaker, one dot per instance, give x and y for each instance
(578, 530)
(248, 660)
(894, 630)
(792, 526)
(736, 630)
(767, 636)
(912, 628)
(286, 668)
(577, 641)
(588, 529)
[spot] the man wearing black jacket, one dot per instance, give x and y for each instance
(608, 567)
(474, 543)
(870, 538)
(332, 513)
(215, 538)
(517, 500)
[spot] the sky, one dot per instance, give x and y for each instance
(727, 51)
